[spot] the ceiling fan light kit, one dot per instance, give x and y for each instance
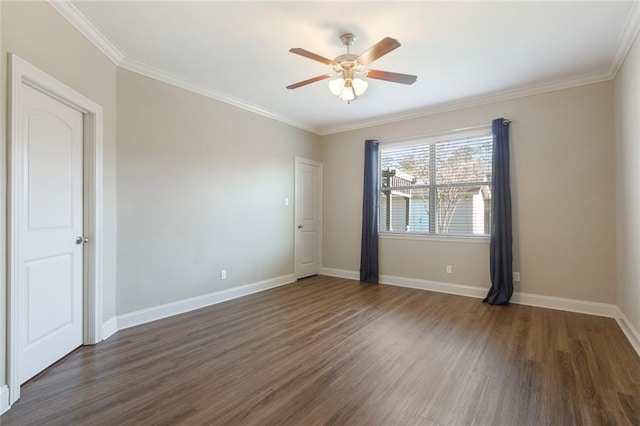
(349, 70)
(348, 90)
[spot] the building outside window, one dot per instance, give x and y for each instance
(437, 186)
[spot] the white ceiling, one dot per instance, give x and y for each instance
(460, 51)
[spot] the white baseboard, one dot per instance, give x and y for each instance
(439, 287)
(4, 399)
(340, 273)
(563, 304)
(109, 328)
(174, 308)
(549, 302)
(627, 328)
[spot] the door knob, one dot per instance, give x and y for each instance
(80, 240)
(300, 226)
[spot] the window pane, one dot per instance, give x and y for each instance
(456, 174)
(408, 165)
(464, 210)
(404, 211)
(419, 211)
(464, 160)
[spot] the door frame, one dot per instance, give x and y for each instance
(296, 239)
(20, 71)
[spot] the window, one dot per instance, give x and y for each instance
(436, 186)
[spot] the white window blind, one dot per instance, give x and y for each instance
(437, 186)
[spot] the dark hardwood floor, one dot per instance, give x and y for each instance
(333, 351)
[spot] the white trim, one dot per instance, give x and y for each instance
(481, 130)
(165, 77)
(4, 389)
(84, 25)
(80, 22)
(564, 304)
(500, 96)
(4, 399)
(91, 33)
(340, 273)
(549, 302)
(21, 72)
(155, 313)
(481, 239)
(109, 328)
(629, 34)
(628, 329)
(440, 287)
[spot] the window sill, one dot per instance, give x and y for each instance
(481, 239)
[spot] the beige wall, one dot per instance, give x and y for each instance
(190, 169)
(40, 35)
(627, 110)
(562, 161)
(3, 218)
(201, 184)
(201, 187)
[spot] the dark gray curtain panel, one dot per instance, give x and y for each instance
(500, 251)
(369, 248)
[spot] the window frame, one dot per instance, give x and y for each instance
(432, 140)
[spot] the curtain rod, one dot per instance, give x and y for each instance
(430, 135)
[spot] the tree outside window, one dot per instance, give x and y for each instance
(459, 195)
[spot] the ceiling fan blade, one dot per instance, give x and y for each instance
(391, 76)
(311, 80)
(311, 55)
(381, 48)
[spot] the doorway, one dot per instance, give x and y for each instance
(308, 217)
(55, 246)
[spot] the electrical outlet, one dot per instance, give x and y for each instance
(449, 269)
(516, 276)
(223, 274)
(286, 202)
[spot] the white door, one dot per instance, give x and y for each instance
(308, 212)
(49, 259)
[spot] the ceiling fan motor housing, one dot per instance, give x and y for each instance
(347, 65)
(351, 67)
(347, 39)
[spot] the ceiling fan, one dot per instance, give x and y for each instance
(348, 69)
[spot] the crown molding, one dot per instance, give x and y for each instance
(82, 24)
(629, 34)
(165, 77)
(505, 95)
(627, 37)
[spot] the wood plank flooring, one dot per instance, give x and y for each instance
(332, 351)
